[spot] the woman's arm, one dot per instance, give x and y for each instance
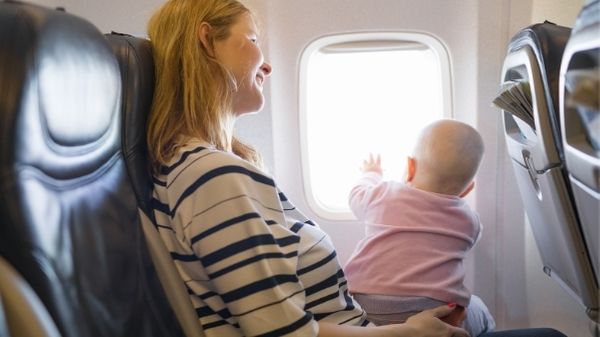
(424, 324)
(242, 258)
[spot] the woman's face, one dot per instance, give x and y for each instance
(241, 54)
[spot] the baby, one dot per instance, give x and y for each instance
(418, 232)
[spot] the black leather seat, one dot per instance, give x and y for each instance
(69, 222)
(137, 70)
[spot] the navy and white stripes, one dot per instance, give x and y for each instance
(253, 264)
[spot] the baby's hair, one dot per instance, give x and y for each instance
(447, 155)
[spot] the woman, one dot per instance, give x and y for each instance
(253, 264)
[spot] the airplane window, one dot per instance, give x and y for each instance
(362, 93)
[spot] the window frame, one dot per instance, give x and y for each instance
(367, 38)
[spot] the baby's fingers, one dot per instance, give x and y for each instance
(371, 158)
(378, 160)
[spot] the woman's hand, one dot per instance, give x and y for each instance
(424, 324)
(428, 324)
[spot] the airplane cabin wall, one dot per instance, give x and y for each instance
(505, 269)
(453, 22)
(475, 82)
(109, 15)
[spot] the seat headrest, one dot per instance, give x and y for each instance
(63, 97)
(137, 69)
(548, 42)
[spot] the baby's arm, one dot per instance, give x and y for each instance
(367, 186)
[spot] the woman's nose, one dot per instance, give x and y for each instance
(266, 69)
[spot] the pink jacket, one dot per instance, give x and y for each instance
(415, 241)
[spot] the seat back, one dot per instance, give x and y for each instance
(137, 69)
(580, 123)
(69, 215)
(533, 138)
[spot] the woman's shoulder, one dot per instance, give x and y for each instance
(199, 153)
(198, 158)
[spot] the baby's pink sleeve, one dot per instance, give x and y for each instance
(368, 187)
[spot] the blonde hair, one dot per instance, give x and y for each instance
(193, 91)
(448, 154)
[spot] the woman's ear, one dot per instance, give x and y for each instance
(468, 189)
(204, 36)
(411, 168)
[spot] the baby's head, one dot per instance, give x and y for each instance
(446, 158)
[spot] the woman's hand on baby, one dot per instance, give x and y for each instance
(372, 164)
(428, 323)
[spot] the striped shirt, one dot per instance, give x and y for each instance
(252, 264)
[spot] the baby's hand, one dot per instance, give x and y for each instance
(372, 164)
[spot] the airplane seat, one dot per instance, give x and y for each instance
(21, 311)
(69, 215)
(137, 68)
(580, 123)
(529, 100)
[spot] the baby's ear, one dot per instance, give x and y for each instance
(411, 168)
(468, 189)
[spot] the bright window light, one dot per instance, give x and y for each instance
(361, 94)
